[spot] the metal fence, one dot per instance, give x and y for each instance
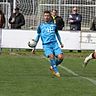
(33, 9)
(5, 7)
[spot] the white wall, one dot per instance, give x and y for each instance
(71, 40)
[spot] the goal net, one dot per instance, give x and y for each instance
(28, 8)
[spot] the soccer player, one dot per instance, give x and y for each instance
(90, 57)
(48, 32)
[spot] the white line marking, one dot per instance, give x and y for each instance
(73, 73)
(69, 71)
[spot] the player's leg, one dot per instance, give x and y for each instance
(59, 59)
(88, 58)
(53, 63)
(53, 66)
(59, 54)
(49, 53)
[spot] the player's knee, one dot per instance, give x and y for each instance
(94, 55)
(51, 56)
(61, 56)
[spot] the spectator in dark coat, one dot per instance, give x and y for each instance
(2, 19)
(74, 20)
(57, 19)
(16, 19)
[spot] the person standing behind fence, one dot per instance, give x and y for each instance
(2, 19)
(16, 20)
(57, 19)
(74, 20)
(2, 25)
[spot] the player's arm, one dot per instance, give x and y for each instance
(36, 39)
(38, 35)
(59, 38)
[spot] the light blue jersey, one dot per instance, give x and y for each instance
(48, 32)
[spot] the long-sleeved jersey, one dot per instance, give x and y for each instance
(48, 32)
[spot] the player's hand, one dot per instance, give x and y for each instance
(62, 45)
(33, 51)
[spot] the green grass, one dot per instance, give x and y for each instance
(24, 74)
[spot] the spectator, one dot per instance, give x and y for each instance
(2, 25)
(75, 21)
(57, 19)
(93, 24)
(16, 20)
(2, 19)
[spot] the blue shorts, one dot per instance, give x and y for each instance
(52, 48)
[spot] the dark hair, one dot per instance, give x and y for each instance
(46, 11)
(54, 10)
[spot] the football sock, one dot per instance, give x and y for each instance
(90, 56)
(53, 64)
(58, 61)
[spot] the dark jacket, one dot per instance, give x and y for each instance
(93, 24)
(59, 22)
(77, 18)
(18, 21)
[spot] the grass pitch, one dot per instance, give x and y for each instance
(29, 75)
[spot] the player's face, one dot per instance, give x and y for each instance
(47, 17)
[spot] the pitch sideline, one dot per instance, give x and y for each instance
(75, 74)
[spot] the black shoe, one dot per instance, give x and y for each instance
(79, 50)
(71, 50)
